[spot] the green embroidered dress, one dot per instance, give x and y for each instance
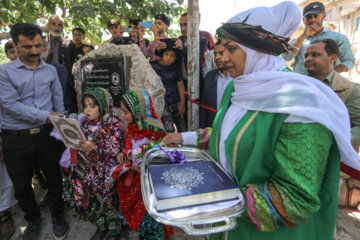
(288, 173)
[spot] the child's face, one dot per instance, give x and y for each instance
(113, 30)
(168, 58)
(91, 110)
(126, 114)
(86, 50)
(12, 54)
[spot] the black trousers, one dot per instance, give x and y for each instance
(20, 153)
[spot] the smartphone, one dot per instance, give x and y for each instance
(147, 24)
(170, 42)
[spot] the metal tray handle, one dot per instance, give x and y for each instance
(230, 223)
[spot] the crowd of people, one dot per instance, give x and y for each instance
(279, 134)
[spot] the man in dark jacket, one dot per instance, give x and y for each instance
(57, 43)
(213, 88)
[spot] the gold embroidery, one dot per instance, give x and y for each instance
(226, 236)
(239, 136)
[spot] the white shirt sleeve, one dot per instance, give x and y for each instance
(189, 138)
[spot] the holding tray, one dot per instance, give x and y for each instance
(197, 214)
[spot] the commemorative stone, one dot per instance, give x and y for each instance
(108, 73)
(118, 68)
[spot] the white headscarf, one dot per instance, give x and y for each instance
(282, 20)
(264, 87)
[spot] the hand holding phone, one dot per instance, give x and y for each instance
(147, 24)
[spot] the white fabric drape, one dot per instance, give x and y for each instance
(264, 87)
(301, 96)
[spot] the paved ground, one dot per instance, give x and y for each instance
(348, 227)
(79, 229)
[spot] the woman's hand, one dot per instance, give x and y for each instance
(121, 158)
(86, 146)
(172, 138)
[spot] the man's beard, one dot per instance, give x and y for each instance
(55, 33)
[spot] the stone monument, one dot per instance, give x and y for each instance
(118, 68)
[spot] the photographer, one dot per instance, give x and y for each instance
(162, 23)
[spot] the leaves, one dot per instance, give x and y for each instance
(92, 15)
(3, 58)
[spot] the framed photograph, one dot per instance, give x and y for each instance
(69, 130)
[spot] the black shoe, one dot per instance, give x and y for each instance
(60, 227)
(32, 230)
(44, 200)
(99, 235)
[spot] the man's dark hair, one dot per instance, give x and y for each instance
(134, 21)
(184, 14)
(8, 46)
(113, 22)
(29, 30)
(79, 30)
(218, 42)
(163, 18)
(331, 46)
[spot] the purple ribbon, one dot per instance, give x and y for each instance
(175, 156)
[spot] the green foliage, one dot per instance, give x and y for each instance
(92, 15)
(3, 58)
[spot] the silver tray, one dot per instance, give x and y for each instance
(200, 223)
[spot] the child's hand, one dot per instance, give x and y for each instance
(86, 146)
(172, 138)
(160, 45)
(121, 158)
(137, 169)
(181, 109)
(178, 44)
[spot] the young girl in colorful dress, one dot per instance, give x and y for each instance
(143, 126)
(89, 190)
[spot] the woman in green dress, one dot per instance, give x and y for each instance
(279, 134)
